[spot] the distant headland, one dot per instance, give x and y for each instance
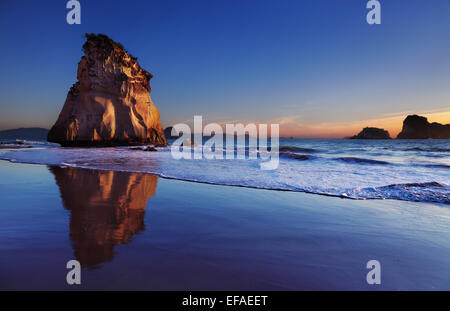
(417, 127)
(414, 127)
(28, 133)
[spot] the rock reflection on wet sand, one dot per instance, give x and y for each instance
(107, 209)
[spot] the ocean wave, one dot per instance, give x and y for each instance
(437, 166)
(296, 149)
(361, 160)
(295, 156)
(341, 177)
(432, 184)
(431, 149)
(26, 142)
(417, 192)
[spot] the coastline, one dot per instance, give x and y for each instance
(249, 239)
(408, 171)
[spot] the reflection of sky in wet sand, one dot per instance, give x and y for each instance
(207, 237)
(107, 209)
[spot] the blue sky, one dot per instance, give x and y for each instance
(313, 66)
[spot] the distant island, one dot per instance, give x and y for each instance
(414, 127)
(168, 133)
(28, 133)
(418, 127)
(372, 133)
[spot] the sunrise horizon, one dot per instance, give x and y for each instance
(289, 128)
(225, 154)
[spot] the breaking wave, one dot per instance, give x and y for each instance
(362, 170)
(416, 192)
(361, 160)
(428, 149)
(296, 149)
(295, 156)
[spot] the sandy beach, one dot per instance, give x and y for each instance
(140, 231)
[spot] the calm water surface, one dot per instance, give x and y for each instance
(138, 231)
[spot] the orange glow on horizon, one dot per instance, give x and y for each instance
(288, 126)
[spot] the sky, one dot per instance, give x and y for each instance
(315, 67)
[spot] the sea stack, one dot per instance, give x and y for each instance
(372, 133)
(110, 103)
(418, 127)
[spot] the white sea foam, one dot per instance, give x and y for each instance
(404, 170)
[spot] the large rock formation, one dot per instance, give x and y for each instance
(110, 103)
(418, 127)
(372, 133)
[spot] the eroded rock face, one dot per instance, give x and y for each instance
(110, 103)
(418, 127)
(372, 133)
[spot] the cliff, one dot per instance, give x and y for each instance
(372, 133)
(110, 103)
(418, 127)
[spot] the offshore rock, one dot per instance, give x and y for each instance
(110, 103)
(372, 133)
(418, 127)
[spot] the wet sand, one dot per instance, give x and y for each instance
(138, 231)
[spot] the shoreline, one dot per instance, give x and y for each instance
(227, 185)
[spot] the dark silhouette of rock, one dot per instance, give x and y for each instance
(372, 133)
(110, 103)
(418, 127)
(29, 133)
(168, 133)
(149, 148)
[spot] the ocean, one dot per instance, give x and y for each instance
(411, 170)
